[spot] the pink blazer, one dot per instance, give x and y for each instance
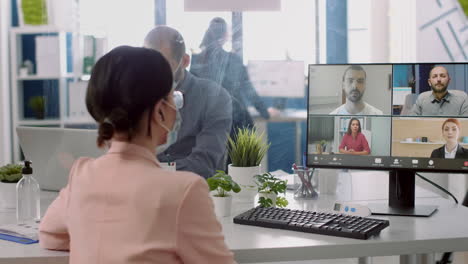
(123, 208)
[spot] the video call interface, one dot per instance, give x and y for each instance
(388, 116)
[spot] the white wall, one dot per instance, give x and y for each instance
(368, 31)
(359, 35)
(5, 122)
(402, 30)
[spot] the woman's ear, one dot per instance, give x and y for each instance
(158, 114)
(185, 61)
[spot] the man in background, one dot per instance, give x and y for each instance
(440, 100)
(206, 115)
(354, 87)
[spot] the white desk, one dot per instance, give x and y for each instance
(14, 253)
(446, 230)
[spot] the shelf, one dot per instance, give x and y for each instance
(36, 29)
(430, 143)
(79, 121)
(39, 122)
(41, 77)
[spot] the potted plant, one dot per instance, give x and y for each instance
(9, 175)
(37, 104)
(222, 184)
(321, 145)
(268, 189)
(246, 150)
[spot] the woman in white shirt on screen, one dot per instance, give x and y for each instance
(451, 129)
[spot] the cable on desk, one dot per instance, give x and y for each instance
(437, 186)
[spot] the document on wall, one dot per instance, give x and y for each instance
(20, 233)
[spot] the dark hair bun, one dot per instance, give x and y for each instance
(117, 120)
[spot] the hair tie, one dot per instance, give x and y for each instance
(108, 121)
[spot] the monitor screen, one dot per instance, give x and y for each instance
(404, 118)
(388, 116)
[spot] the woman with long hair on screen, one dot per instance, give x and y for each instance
(451, 130)
(354, 142)
(123, 207)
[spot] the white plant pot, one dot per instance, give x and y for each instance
(272, 196)
(244, 176)
(8, 195)
(222, 205)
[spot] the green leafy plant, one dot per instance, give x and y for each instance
(10, 173)
(321, 146)
(247, 148)
(464, 5)
(223, 184)
(267, 184)
(37, 104)
(34, 12)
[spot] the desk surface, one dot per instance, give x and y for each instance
(444, 231)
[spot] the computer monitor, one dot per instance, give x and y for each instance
(404, 118)
(53, 150)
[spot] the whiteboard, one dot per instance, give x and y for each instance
(277, 78)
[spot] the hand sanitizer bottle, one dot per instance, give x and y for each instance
(28, 200)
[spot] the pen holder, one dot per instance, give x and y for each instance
(306, 189)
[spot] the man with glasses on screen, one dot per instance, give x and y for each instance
(354, 86)
(440, 100)
(206, 115)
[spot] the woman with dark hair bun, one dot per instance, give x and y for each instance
(123, 207)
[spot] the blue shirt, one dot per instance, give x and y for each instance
(206, 123)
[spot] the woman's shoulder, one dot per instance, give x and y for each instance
(463, 151)
(346, 135)
(361, 135)
(182, 181)
(438, 152)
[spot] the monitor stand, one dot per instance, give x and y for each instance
(401, 197)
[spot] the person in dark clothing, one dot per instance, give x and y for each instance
(451, 130)
(228, 70)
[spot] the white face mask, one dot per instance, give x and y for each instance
(171, 136)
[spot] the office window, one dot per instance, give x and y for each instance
(123, 22)
(192, 25)
(286, 34)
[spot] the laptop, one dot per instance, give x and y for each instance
(52, 152)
